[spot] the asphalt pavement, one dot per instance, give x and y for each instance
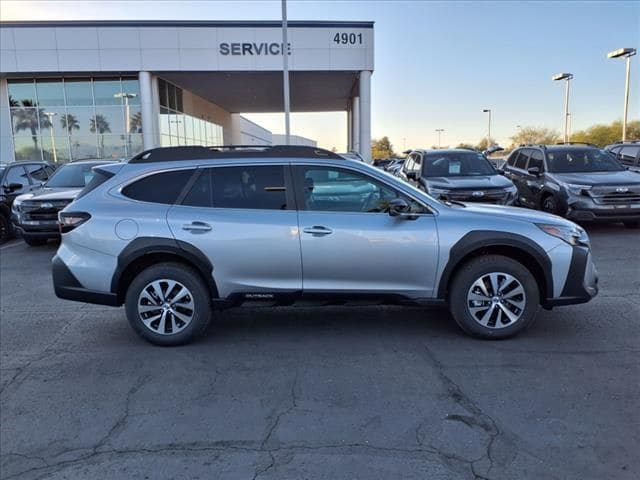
(326, 393)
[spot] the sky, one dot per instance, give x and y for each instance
(438, 64)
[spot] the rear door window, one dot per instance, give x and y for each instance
(39, 172)
(521, 161)
(249, 187)
(628, 154)
(164, 187)
(536, 160)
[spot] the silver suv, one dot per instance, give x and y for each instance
(178, 232)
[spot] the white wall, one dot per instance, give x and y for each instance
(246, 132)
(199, 107)
(279, 139)
(6, 138)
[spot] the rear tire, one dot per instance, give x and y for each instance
(5, 228)
(34, 242)
(484, 311)
(632, 224)
(168, 304)
(550, 205)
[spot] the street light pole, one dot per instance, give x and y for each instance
(488, 110)
(439, 130)
(627, 53)
(285, 73)
(50, 116)
(567, 77)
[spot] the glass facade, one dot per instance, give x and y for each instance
(178, 128)
(64, 119)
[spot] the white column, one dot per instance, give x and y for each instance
(365, 115)
(349, 130)
(7, 152)
(150, 137)
(355, 124)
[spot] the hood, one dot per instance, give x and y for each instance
(471, 182)
(515, 213)
(45, 194)
(624, 177)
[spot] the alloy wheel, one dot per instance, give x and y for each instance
(165, 306)
(496, 300)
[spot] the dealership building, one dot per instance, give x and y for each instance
(109, 89)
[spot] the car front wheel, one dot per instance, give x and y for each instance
(167, 304)
(493, 297)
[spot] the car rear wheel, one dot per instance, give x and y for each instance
(550, 205)
(632, 224)
(493, 297)
(167, 304)
(5, 231)
(34, 242)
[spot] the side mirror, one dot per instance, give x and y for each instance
(533, 171)
(398, 206)
(412, 175)
(12, 187)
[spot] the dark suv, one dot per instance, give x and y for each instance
(457, 174)
(628, 153)
(579, 181)
(15, 179)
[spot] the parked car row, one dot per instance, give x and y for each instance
(577, 181)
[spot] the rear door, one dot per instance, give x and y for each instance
(244, 220)
(531, 185)
(516, 171)
(350, 244)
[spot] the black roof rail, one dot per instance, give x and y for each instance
(577, 143)
(537, 145)
(195, 152)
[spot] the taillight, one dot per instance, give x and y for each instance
(70, 220)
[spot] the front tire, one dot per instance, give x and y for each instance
(550, 205)
(168, 304)
(493, 297)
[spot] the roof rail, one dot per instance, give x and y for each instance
(577, 143)
(538, 145)
(195, 152)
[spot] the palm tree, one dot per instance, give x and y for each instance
(135, 123)
(101, 125)
(31, 118)
(69, 122)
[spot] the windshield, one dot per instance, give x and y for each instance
(582, 160)
(456, 164)
(72, 176)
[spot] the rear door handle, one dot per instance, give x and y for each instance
(317, 230)
(197, 227)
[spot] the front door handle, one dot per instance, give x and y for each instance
(197, 227)
(317, 230)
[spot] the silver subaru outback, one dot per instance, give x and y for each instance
(176, 233)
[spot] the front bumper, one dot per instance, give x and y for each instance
(583, 208)
(581, 284)
(67, 287)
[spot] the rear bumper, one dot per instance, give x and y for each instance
(581, 284)
(68, 287)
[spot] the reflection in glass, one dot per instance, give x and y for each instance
(55, 149)
(21, 91)
(188, 126)
(50, 120)
(106, 92)
(78, 92)
(135, 144)
(164, 124)
(111, 146)
(112, 119)
(49, 93)
(135, 120)
(83, 147)
(132, 91)
(27, 148)
(165, 140)
(79, 120)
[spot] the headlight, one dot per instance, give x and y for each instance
(16, 205)
(436, 192)
(572, 235)
(575, 189)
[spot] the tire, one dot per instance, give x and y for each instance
(187, 312)
(5, 228)
(469, 304)
(549, 205)
(632, 224)
(34, 242)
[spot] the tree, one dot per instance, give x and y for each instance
(465, 145)
(101, 125)
(69, 122)
(483, 144)
(135, 123)
(31, 118)
(382, 148)
(603, 135)
(540, 135)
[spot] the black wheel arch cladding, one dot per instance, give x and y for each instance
(478, 239)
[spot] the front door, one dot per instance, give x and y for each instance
(349, 242)
(243, 219)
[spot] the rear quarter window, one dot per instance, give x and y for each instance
(164, 187)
